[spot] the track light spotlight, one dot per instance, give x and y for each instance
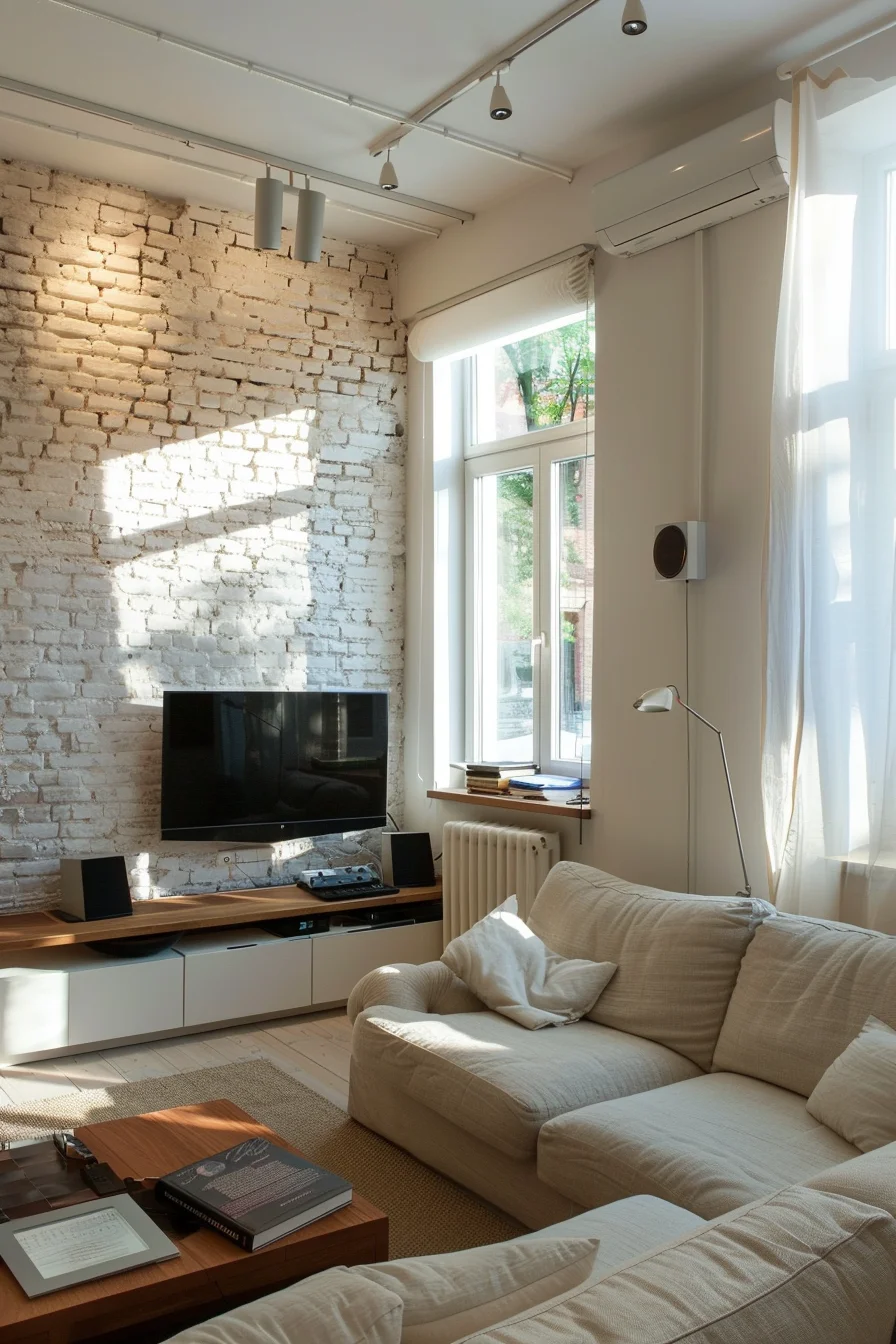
(500, 107)
(268, 212)
(309, 224)
(388, 175)
(634, 18)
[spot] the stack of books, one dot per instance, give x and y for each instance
(540, 786)
(490, 777)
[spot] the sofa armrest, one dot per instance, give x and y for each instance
(430, 988)
(869, 1178)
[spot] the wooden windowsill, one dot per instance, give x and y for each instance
(530, 805)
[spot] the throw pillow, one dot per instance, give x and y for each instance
(447, 1297)
(855, 1096)
(513, 972)
(335, 1307)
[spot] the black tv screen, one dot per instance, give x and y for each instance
(273, 765)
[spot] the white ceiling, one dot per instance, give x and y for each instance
(574, 94)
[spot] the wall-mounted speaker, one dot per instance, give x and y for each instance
(407, 859)
(95, 888)
(679, 551)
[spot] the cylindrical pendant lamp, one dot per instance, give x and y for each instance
(268, 212)
(309, 224)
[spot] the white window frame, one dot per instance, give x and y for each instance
(539, 450)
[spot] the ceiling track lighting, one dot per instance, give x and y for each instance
(500, 108)
(388, 175)
(634, 18)
(309, 223)
(268, 212)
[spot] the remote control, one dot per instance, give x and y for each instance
(102, 1180)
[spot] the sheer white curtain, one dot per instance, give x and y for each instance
(829, 757)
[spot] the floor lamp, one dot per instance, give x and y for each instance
(660, 701)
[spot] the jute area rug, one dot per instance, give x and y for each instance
(428, 1213)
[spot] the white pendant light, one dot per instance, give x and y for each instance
(634, 18)
(268, 212)
(388, 178)
(309, 224)
(500, 108)
(388, 175)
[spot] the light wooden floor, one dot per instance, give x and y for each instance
(313, 1048)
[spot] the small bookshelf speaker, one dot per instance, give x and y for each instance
(407, 859)
(95, 888)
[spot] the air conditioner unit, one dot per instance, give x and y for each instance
(733, 169)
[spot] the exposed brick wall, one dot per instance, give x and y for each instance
(201, 485)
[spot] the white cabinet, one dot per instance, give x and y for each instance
(74, 996)
(340, 959)
(113, 998)
(33, 1009)
(237, 973)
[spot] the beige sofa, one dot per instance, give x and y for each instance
(687, 1082)
(671, 1125)
(810, 1264)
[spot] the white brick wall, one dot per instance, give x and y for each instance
(201, 485)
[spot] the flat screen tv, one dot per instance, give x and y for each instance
(273, 765)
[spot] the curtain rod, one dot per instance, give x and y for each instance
(790, 68)
(580, 251)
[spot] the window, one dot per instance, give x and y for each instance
(536, 380)
(530, 554)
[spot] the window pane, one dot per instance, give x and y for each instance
(891, 261)
(505, 566)
(535, 381)
(573, 569)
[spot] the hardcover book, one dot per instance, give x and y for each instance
(255, 1193)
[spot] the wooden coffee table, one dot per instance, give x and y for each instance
(211, 1275)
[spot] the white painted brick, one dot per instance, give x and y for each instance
(208, 493)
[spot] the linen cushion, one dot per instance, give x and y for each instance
(678, 956)
(499, 1082)
(799, 1268)
(856, 1096)
(509, 968)
(804, 991)
(710, 1144)
(335, 1307)
(447, 1297)
(626, 1230)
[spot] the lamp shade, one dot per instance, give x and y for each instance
(268, 213)
(658, 701)
(310, 225)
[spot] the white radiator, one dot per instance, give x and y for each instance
(483, 865)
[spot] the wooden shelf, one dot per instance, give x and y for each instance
(530, 805)
(178, 914)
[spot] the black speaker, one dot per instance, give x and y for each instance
(407, 859)
(679, 551)
(95, 888)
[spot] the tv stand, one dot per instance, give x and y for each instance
(241, 956)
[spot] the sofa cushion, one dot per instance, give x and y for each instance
(855, 1096)
(447, 1297)
(335, 1307)
(805, 990)
(710, 1144)
(799, 1268)
(500, 1082)
(678, 956)
(626, 1230)
(515, 974)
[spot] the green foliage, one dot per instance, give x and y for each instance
(516, 495)
(554, 373)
